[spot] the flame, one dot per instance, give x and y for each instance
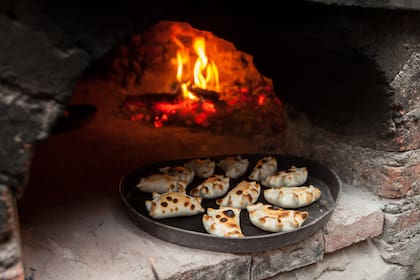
(180, 66)
(188, 94)
(205, 74)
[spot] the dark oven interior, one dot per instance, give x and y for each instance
(335, 83)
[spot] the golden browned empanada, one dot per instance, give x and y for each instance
(173, 204)
(273, 219)
(203, 168)
(182, 173)
(292, 177)
(160, 183)
(213, 187)
(264, 168)
(244, 194)
(292, 197)
(234, 167)
(224, 222)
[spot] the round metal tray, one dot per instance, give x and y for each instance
(189, 231)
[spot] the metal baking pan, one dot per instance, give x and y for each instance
(189, 231)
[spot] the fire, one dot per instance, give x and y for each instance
(194, 78)
(205, 74)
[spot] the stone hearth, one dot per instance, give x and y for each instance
(347, 73)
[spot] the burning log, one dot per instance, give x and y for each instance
(171, 108)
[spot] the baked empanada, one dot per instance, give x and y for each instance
(224, 222)
(292, 197)
(161, 183)
(292, 177)
(203, 168)
(213, 187)
(244, 194)
(234, 167)
(264, 168)
(182, 173)
(273, 219)
(173, 204)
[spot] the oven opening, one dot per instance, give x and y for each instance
(330, 87)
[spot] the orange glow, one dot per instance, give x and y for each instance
(208, 107)
(261, 99)
(204, 74)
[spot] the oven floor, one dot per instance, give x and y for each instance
(71, 217)
(72, 221)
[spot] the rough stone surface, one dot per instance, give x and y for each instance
(300, 254)
(6, 218)
(360, 261)
(396, 206)
(356, 217)
(31, 61)
(398, 227)
(32, 119)
(229, 270)
(388, 174)
(416, 270)
(104, 243)
(35, 77)
(14, 273)
(389, 4)
(407, 103)
(405, 252)
(10, 251)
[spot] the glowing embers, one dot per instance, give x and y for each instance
(246, 112)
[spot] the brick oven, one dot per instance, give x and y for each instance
(333, 81)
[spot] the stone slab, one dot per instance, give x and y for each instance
(357, 217)
(303, 253)
(96, 240)
(360, 261)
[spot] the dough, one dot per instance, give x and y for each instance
(161, 183)
(264, 168)
(292, 197)
(273, 219)
(234, 167)
(244, 194)
(203, 168)
(224, 222)
(213, 187)
(182, 173)
(292, 177)
(173, 204)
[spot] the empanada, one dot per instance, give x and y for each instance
(273, 219)
(244, 194)
(203, 168)
(224, 222)
(264, 168)
(213, 187)
(292, 177)
(173, 204)
(234, 167)
(182, 173)
(161, 183)
(292, 197)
